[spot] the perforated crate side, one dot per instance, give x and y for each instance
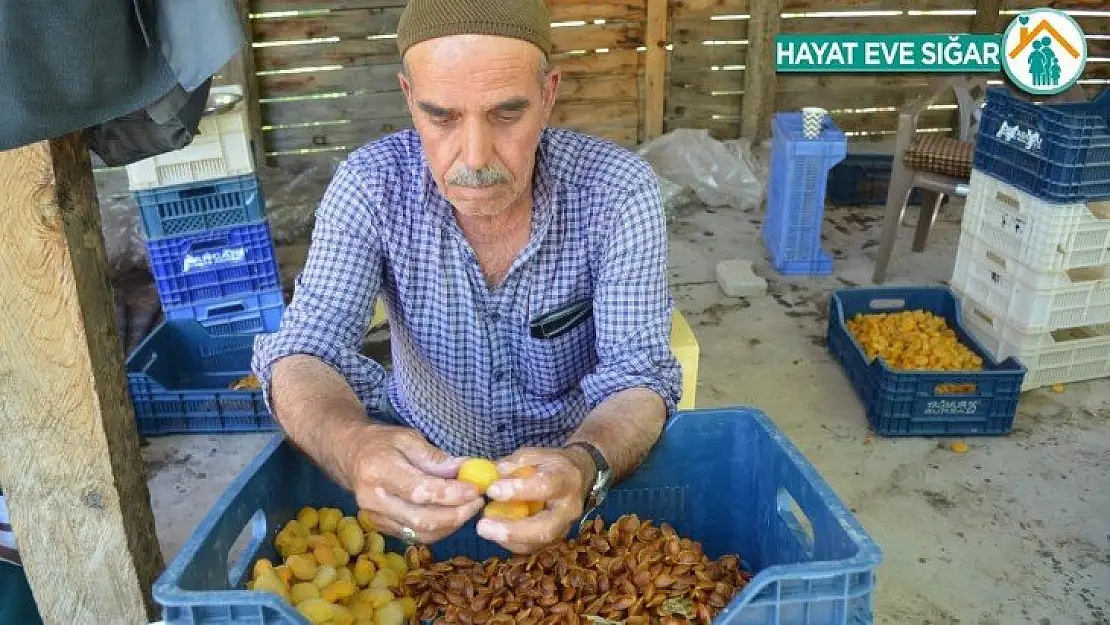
(915, 403)
(1030, 300)
(214, 265)
(200, 206)
(796, 195)
(1059, 152)
(1058, 357)
(1044, 235)
(825, 577)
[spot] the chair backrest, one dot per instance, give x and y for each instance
(971, 93)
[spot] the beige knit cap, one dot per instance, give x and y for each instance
(430, 19)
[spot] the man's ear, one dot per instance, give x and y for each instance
(551, 89)
(406, 87)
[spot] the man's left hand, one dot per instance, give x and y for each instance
(559, 481)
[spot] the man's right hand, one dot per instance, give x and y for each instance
(402, 480)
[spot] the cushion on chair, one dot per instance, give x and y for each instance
(938, 154)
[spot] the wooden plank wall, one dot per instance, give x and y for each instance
(326, 69)
(709, 54)
(327, 72)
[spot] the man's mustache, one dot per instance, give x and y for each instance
(488, 176)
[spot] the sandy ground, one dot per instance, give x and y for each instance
(1016, 530)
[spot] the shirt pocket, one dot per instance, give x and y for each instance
(551, 367)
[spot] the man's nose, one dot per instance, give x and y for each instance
(477, 144)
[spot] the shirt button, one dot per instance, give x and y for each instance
(494, 317)
(501, 428)
(498, 375)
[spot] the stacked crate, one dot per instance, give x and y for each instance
(214, 263)
(796, 195)
(1033, 264)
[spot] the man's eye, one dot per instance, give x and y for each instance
(508, 117)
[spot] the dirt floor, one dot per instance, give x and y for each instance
(1015, 530)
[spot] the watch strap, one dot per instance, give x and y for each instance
(601, 478)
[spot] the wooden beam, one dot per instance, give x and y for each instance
(69, 455)
(655, 67)
(988, 17)
(241, 71)
(759, 70)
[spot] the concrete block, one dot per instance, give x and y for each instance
(738, 280)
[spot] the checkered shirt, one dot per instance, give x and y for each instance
(466, 370)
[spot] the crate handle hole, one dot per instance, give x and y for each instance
(984, 316)
(996, 259)
(952, 388)
(227, 309)
(887, 304)
(215, 243)
(198, 192)
(796, 520)
(246, 547)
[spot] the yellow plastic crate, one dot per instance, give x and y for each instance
(684, 346)
(379, 314)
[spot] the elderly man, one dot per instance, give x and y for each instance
(524, 269)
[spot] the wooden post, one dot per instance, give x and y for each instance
(988, 17)
(758, 103)
(241, 72)
(69, 449)
(655, 67)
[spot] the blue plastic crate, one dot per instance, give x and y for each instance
(214, 265)
(199, 206)
(796, 195)
(246, 315)
(1059, 153)
(178, 378)
(728, 478)
(913, 403)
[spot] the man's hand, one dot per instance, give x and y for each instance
(404, 481)
(560, 481)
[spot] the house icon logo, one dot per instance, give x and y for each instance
(1044, 51)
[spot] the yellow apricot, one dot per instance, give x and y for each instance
(325, 575)
(375, 597)
(317, 610)
(364, 521)
(308, 517)
(479, 472)
(342, 616)
(375, 544)
(408, 606)
(302, 592)
(325, 555)
(261, 566)
(364, 572)
(391, 613)
(329, 519)
(507, 510)
(338, 590)
(352, 538)
(385, 578)
(303, 566)
(363, 612)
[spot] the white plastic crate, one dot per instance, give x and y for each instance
(1031, 301)
(221, 149)
(1046, 236)
(1058, 357)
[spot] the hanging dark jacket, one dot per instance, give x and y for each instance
(133, 72)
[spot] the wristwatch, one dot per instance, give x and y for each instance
(602, 480)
